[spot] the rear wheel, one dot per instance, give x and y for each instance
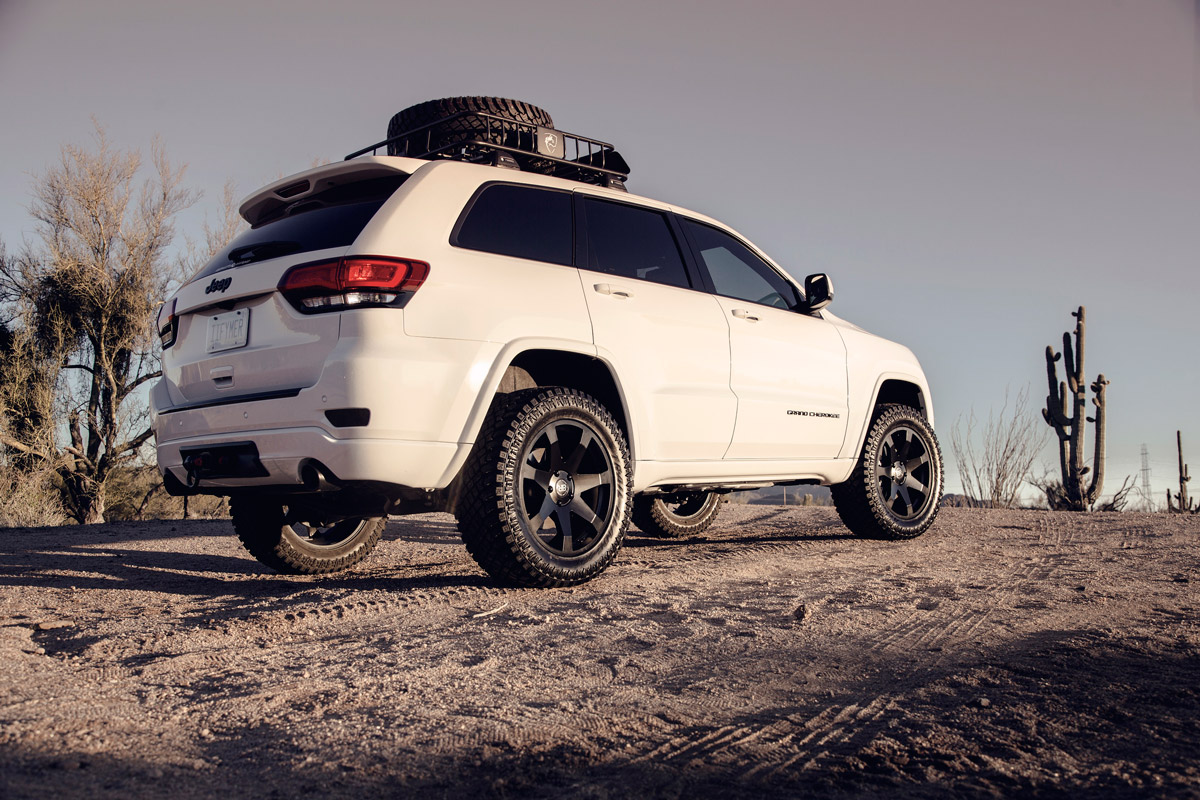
(896, 486)
(546, 490)
(671, 516)
(296, 542)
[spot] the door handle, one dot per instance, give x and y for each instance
(742, 313)
(604, 288)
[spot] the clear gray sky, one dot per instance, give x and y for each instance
(968, 171)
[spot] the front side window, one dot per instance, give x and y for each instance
(737, 272)
(521, 221)
(634, 243)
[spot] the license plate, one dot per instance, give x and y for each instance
(228, 331)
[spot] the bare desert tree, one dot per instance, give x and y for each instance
(217, 234)
(87, 298)
(995, 459)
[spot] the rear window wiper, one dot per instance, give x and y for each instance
(262, 250)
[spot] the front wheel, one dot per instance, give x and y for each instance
(673, 516)
(896, 486)
(546, 490)
(296, 542)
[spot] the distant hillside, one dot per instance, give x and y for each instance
(784, 495)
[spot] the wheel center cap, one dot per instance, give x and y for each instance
(562, 488)
(898, 471)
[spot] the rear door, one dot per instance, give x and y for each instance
(667, 338)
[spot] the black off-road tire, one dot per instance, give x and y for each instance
(676, 516)
(545, 460)
(298, 549)
(895, 489)
(467, 127)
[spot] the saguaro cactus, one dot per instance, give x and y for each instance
(1065, 413)
(1182, 504)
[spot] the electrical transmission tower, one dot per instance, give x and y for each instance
(1144, 489)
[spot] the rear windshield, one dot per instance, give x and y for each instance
(332, 218)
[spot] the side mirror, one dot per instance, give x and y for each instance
(818, 291)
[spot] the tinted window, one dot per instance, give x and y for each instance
(333, 218)
(737, 272)
(633, 242)
(521, 221)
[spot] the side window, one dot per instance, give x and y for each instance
(634, 243)
(521, 221)
(737, 272)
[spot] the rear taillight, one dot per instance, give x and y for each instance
(352, 282)
(166, 323)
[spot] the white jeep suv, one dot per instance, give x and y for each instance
(496, 328)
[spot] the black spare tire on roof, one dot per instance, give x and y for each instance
(468, 127)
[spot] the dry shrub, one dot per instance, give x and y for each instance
(994, 461)
(30, 499)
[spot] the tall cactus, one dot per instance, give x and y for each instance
(1182, 504)
(1065, 412)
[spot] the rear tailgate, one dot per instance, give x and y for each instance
(267, 346)
(236, 335)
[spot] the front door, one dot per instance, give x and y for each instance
(788, 368)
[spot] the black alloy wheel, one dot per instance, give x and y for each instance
(895, 489)
(672, 516)
(567, 488)
(546, 491)
(904, 473)
(294, 541)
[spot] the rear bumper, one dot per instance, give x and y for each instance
(413, 397)
(285, 451)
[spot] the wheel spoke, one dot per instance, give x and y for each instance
(576, 458)
(914, 484)
(900, 445)
(583, 510)
(555, 455)
(563, 515)
(539, 519)
(590, 480)
(539, 476)
(906, 499)
(919, 461)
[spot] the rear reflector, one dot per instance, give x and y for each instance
(166, 323)
(349, 417)
(357, 281)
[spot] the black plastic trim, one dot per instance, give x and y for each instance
(228, 401)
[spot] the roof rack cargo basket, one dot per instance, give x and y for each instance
(483, 138)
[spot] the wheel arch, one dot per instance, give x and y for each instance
(552, 363)
(890, 388)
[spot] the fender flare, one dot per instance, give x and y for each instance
(919, 385)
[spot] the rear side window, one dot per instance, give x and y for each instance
(521, 221)
(333, 218)
(633, 242)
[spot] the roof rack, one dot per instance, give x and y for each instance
(482, 138)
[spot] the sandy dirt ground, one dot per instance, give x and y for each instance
(1003, 653)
